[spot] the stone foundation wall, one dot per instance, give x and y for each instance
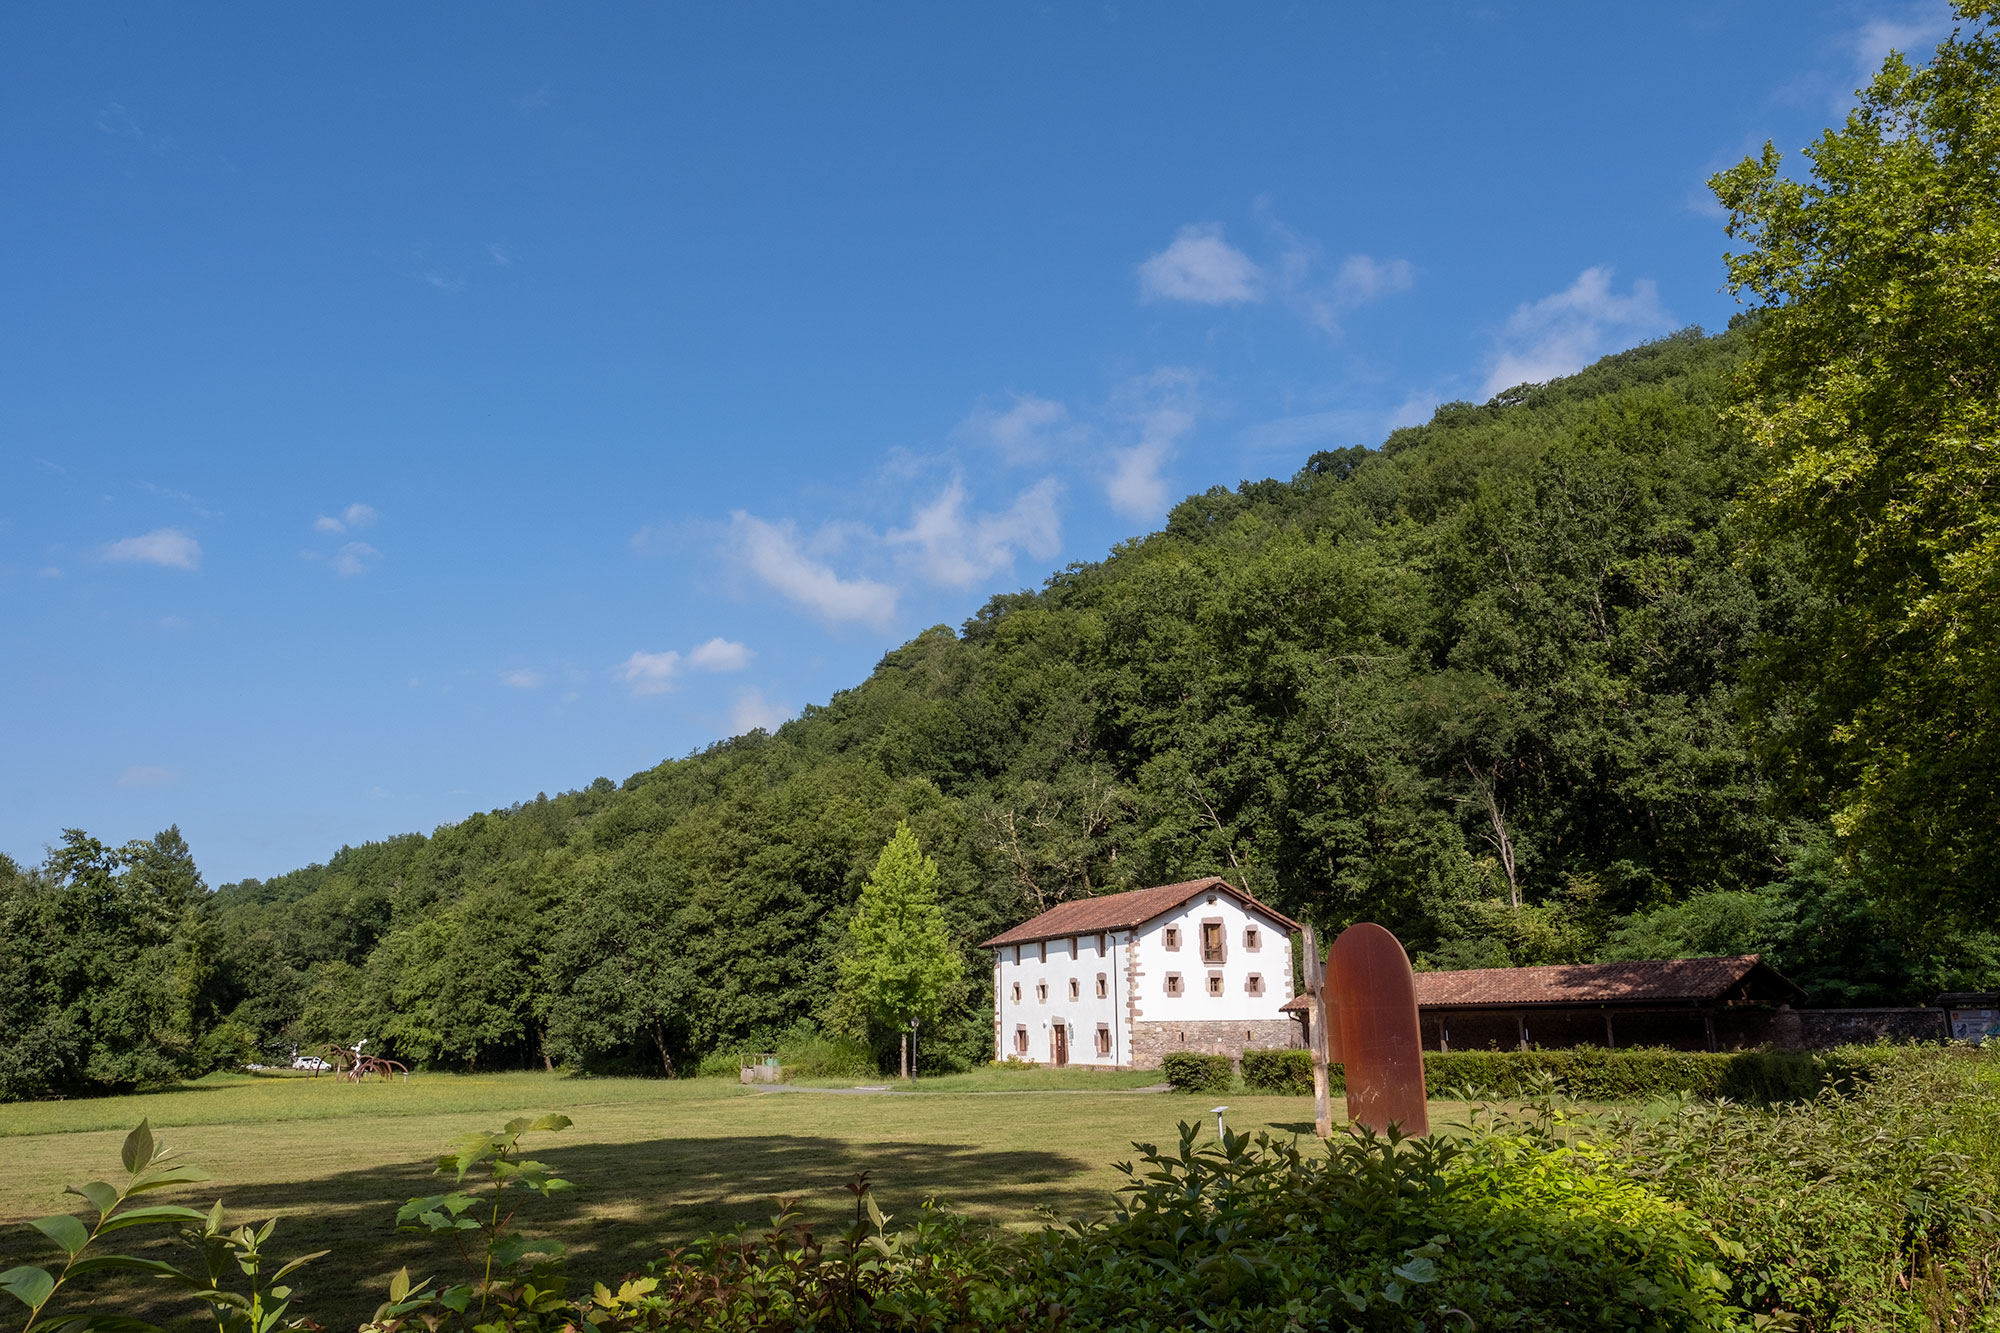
(1152, 1042)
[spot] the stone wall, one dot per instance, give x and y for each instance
(1821, 1028)
(1152, 1042)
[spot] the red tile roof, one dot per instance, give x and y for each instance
(1122, 911)
(1664, 981)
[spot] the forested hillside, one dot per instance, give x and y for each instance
(1481, 684)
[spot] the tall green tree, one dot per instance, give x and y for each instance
(900, 963)
(1874, 390)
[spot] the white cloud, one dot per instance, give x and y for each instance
(1364, 278)
(147, 775)
(1024, 432)
(502, 255)
(956, 549)
(353, 557)
(1164, 411)
(719, 655)
(1914, 32)
(649, 673)
(657, 673)
(163, 546)
(522, 679)
(354, 516)
(752, 711)
(1562, 333)
(50, 572)
(771, 552)
(1202, 268)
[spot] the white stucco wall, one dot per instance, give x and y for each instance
(1054, 963)
(1271, 960)
(1082, 1014)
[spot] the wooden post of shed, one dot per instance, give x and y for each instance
(1520, 1032)
(1708, 1025)
(1610, 1042)
(1318, 1034)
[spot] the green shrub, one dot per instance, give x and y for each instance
(1189, 1071)
(803, 1051)
(1592, 1073)
(1278, 1071)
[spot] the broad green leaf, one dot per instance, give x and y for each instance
(172, 1175)
(399, 1285)
(64, 1230)
(100, 1262)
(159, 1212)
(456, 1298)
(98, 1323)
(30, 1286)
(553, 1121)
(299, 1263)
(100, 1195)
(137, 1153)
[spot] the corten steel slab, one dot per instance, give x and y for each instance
(1380, 1042)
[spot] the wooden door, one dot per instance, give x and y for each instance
(1062, 1044)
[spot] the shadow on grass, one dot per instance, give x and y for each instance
(631, 1201)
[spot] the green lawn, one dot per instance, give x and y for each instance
(655, 1161)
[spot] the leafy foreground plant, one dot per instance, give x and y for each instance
(1867, 1210)
(257, 1309)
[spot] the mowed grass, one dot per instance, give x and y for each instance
(655, 1162)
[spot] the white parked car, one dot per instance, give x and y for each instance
(312, 1062)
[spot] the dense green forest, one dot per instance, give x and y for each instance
(1483, 684)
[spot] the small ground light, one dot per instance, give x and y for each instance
(1218, 1119)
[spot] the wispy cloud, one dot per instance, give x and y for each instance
(956, 549)
(772, 553)
(147, 775)
(1024, 432)
(1565, 331)
(501, 255)
(353, 558)
(649, 673)
(170, 547)
(1162, 413)
(719, 655)
(1202, 268)
(753, 712)
(354, 516)
(1913, 30)
(1303, 284)
(522, 679)
(657, 673)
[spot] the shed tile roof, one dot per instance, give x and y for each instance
(1662, 981)
(1122, 911)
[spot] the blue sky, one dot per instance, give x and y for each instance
(404, 410)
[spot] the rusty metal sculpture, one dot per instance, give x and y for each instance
(1381, 1046)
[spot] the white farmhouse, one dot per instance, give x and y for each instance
(1127, 978)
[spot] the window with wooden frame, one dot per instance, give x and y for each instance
(1017, 992)
(1017, 955)
(1253, 938)
(1042, 991)
(1103, 987)
(1173, 983)
(1213, 947)
(1215, 983)
(1171, 937)
(1042, 950)
(1021, 1041)
(1104, 1039)
(1075, 989)
(1254, 984)
(1072, 946)
(1100, 944)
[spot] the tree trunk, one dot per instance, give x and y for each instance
(542, 1045)
(660, 1041)
(1496, 815)
(903, 1050)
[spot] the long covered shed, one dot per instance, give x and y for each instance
(1688, 1003)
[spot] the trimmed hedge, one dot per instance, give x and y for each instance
(1189, 1072)
(1591, 1073)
